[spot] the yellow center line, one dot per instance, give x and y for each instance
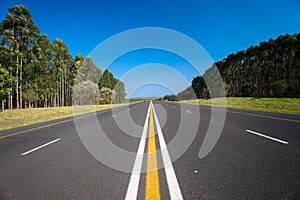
(52, 124)
(33, 129)
(152, 182)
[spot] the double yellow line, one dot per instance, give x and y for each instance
(152, 191)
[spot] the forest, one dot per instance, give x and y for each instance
(270, 69)
(35, 72)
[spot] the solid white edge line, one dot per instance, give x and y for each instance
(39, 147)
(133, 186)
(173, 185)
(268, 137)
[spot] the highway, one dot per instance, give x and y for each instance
(256, 157)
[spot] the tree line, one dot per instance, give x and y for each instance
(37, 73)
(270, 69)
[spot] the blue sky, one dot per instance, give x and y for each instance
(221, 27)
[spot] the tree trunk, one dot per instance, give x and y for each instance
(21, 83)
(54, 100)
(17, 84)
(60, 91)
(63, 93)
(45, 102)
(10, 101)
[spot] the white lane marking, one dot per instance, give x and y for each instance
(173, 185)
(39, 147)
(113, 115)
(174, 107)
(133, 186)
(268, 137)
(189, 111)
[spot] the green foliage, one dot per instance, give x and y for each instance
(19, 43)
(215, 87)
(31, 96)
(248, 89)
(119, 92)
(37, 73)
(199, 86)
(5, 80)
(116, 87)
(284, 105)
(88, 70)
(107, 80)
(105, 95)
(187, 94)
(279, 88)
(86, 93)
(261, 66)
(171, 97)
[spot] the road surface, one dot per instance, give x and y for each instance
(256, 157)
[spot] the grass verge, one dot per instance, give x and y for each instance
(282, 105)
(21, 117)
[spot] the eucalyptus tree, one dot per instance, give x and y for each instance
(5, 88)
(19, 32)
(61, 64)
(271, 68)
(7, 63)
(120, 93)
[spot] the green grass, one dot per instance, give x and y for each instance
(135, 100)
(20, 117)
(282, 105)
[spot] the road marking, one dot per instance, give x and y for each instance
(268, 137)
(174, 107)
(39, 147)
(173, 185)
(152, 181)
(188, 111)
(56, 123)
(252, 114)
(113, 115)
(33, 129)
(133, 186)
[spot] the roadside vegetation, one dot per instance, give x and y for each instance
(270, 69)
(20, 117)
(282, 105)
(264, 77)
(35, 72)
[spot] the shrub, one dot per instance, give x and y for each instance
(171, 97)
(279, 88)
(248, 89)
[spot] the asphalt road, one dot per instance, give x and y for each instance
(256, 157)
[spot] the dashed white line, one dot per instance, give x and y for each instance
(173, 185)
(189, 111)
(268, 137)
(174, 107)
(133, 186)
(39, 147)
(113, 115)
